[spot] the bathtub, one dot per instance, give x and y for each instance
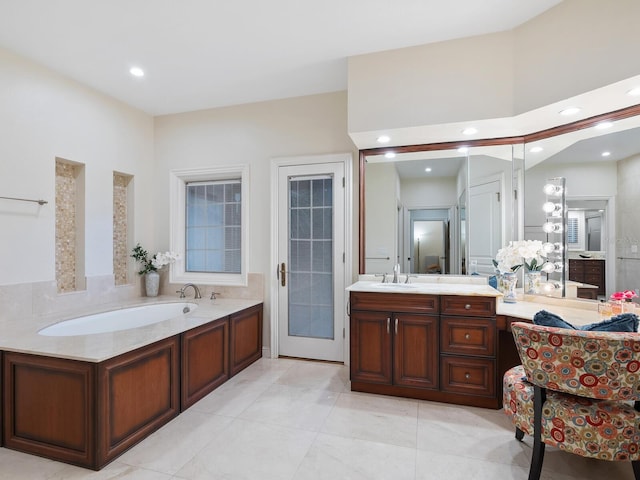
(115, 320)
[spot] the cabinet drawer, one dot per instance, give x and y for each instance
(468, 336)
(474, 376)
(394, 302)
(475, 306)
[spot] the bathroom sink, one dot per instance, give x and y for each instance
(395, 286)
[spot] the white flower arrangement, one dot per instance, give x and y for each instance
(157, 262)
(522, 252)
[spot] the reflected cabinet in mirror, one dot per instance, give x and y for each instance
(447, 208)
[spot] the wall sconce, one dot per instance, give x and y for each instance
(555, 227)
(552, 208)
(553, 190)
(551, 227)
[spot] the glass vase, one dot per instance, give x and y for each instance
(508, 287)
(532, 282)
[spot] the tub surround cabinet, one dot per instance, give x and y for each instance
(88, 413)
(432, 347)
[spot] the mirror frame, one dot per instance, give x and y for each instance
(620, 114)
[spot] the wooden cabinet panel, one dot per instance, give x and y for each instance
(591, 271)
(475, 306)
(385, 302)
(371, 344)
(138, 392)
(468, 336)
(468, 375)
(87, 414)
(245, 338)
(205, 360)
(415, 350)
(49, 407)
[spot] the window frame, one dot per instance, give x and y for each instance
(177, 223)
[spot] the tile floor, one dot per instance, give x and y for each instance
(296, 420)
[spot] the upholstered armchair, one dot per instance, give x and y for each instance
(578, 391)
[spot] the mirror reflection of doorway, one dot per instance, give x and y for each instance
(429, 234)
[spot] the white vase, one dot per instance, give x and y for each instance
(152, 283)
(532, 281)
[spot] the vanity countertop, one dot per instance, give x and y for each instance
(431, 288)
(576, 312)
(21, 334)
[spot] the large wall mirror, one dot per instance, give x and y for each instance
(442, 209)
(454, 218)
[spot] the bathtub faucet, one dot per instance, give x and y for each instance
(196, 290)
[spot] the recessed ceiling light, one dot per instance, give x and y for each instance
(463, 149)
(634, 92)
(383, 139)
(469, 131)
(603, 125)
(136, 72)
(569, 111)
(536, 149)
(428, 169)
(390, 155)
(606, 154)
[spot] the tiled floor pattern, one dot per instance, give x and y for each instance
(294, 420)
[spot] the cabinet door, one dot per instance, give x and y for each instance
(205, 360)
(415, 350)
(245, 338)
(371, 347)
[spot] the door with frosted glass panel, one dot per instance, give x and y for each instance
(311, 269)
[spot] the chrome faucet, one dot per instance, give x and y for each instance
(396, 271)
(196, 290)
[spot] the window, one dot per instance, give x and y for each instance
(213, 226)
(209, 225)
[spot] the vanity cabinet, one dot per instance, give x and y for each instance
(468, 345)
(397, 347)
(432, 347)
(591, 271)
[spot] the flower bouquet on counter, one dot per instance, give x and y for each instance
(153, 264)
(621, 302)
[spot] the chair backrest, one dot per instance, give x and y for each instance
(603, 365)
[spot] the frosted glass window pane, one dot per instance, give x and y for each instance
(310, 280)
(213, 232)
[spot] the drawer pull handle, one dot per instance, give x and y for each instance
(467, 306)
(467, 375)
(467, 336)
(396, 327)
(388, 325)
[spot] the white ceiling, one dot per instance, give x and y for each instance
(208, 53)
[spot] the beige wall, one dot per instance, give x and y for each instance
(249, 134)
(570, 49)
(44, 116)
(466, 79)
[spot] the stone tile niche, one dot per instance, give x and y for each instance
(69, 226)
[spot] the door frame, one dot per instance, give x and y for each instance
(347, 160)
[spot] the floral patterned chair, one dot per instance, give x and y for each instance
(578, 391)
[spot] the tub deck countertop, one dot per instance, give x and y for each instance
(21, 334)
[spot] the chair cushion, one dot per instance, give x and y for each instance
(591, 428)
(625, 322)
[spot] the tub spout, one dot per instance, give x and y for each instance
(196, 290)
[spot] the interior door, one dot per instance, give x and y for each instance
(311, 265)
(485, 226)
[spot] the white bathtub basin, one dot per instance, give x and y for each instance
(115, 320)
